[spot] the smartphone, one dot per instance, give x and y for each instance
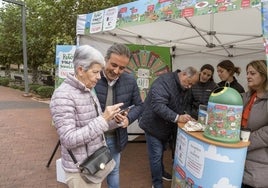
(126, 109)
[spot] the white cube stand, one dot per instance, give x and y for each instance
(60, 172)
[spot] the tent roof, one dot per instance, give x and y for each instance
(226, 34)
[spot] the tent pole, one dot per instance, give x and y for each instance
(194, 27)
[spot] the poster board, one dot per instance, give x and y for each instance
(64, 62)
(147, 63)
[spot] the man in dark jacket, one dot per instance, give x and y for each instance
(116, 85)
(163, 109)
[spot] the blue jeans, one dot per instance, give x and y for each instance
(155, 149)
(113, 177)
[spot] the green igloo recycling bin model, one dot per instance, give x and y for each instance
(225, 107)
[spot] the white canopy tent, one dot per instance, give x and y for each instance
(216, 30)
(226, 34)
(235, 35)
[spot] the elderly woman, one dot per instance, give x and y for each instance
(77, 115)
(255, 118)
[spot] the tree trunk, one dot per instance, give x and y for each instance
(7, 71)
(36, 75)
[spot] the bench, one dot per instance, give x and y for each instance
(18, 79)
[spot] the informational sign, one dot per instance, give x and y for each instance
(96, 22)
(195, 159)
(181, 147)
(199, 164)
(110, 17)
(64, 62)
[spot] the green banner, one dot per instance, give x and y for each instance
(147, 63)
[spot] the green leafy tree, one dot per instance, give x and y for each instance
(10, 36)
(48, 23)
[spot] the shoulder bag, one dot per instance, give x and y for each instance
(97, 166)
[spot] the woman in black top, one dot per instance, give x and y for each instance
(201, 91)
(226, 71)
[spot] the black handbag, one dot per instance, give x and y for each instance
(97, 166)
(97, 161)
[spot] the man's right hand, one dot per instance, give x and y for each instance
(184, 118)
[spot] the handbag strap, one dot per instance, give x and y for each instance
(70, 151)
(73, 157)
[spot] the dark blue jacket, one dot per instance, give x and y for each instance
(164, 101)
(125, 90)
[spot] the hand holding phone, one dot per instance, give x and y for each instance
(126, 110)
(121, 116)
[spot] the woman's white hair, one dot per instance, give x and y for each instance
(85, 56)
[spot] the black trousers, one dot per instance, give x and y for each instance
(246, 186)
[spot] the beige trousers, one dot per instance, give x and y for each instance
(74, 180)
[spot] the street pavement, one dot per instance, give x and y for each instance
(27, 140)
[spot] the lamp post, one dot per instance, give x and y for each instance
(25, 66)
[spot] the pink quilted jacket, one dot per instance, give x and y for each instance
(75, 118)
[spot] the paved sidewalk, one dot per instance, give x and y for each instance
(27, 140)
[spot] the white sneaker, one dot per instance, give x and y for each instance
(166, 176)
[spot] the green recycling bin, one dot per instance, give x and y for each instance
(225, 107)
